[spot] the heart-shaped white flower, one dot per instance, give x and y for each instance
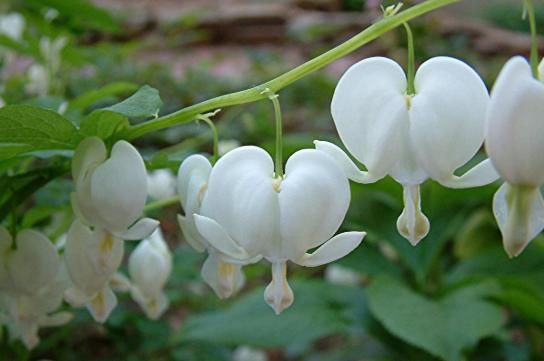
(150, 265)
(31, 285)
(92, 258)
(247, 212)
(223, 275)
(110, 193)
(513, 140)
(411, 137)
(31, 266)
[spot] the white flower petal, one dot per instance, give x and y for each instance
(193, 174)
(412, 223)
(368, 105)
(76, 297)
(193, 177)
(101, 306)
(481, 174)
(35, 262)
(139, 230)
(190, 233)
(149, 267)
(314, 200)
(219, 239)
(92, 257)
(154, 306)
(332, 250)
(242, 198)
(447, 115)
(224, 278)
(342, 159)
(56, 319)
(520, 215)
(120, 283)
(90, 153)
(278, 294)
(515, 128)
(161, 184)
(118, 187)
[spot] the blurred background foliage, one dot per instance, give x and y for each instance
(454, 297)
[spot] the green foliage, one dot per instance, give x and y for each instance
(145, 103)
(443, 327)
(320, 309)
(24, 128)
(78, 15)
(91, 97)
(103, 123)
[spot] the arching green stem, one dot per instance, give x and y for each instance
(206, 118)
(530, 9)
(411, 72)
(253, 94)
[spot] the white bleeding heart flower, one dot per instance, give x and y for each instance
(12, 25)
(223, 276)
(249, 212)
(29, 267)
(92, 258)
(161, 184)
(32, 283)
(110, 193)
(150, 266)
(513, 140)
(411, 137)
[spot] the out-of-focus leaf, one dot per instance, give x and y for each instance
(102, 123)
(478, 232)
(80, 14)
(145, 103)
(319, 310)
(442, 327)
(522, 278)
(37, 214)
(91, 97)
(24, 128)
(200, 351)
(495, 264)
(17, 188)
(367, 259)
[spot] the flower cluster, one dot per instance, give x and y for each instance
(109, 197)
(243, 209)
(437, 129)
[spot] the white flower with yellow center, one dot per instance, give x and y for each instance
(411, 137)
(248, 212)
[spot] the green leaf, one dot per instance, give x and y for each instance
(25, 128)
(102, 123)
(319, 309)
(442, 327)
(86, 100)
(145, 103)
(79, 14)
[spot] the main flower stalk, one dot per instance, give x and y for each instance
(256, 93)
